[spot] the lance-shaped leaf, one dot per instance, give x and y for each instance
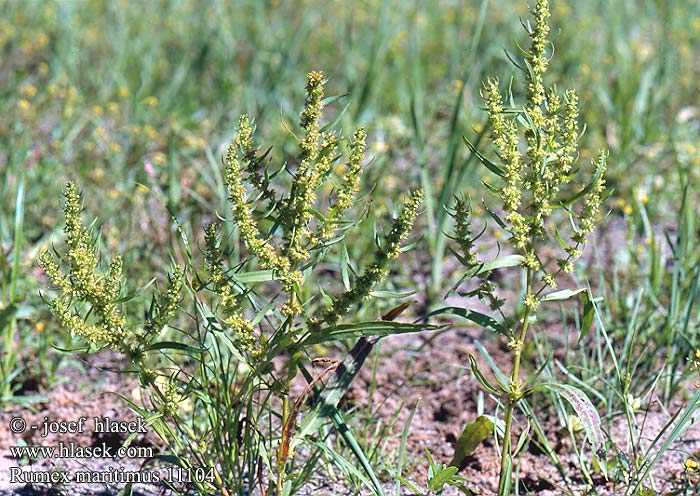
(473, 435)
(564, 294)
(376, 328)
(586, 412)
(336, 387)
(476, 317)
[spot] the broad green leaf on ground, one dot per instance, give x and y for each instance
(473, 435)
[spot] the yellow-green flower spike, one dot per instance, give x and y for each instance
(378, 270)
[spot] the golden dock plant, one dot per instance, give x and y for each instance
(536, 145)
(255, 321)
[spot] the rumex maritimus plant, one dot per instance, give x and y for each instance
(227, 407)
(537, 149)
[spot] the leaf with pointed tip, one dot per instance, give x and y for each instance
(480, 378)
(442, 477)
(377, 328)
(476, 317)
(596, 177)
(564, 294)
(486, 162)
(472, 436)
(336, 387)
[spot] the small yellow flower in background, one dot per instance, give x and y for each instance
(97, 110)
(458, 84)
(140, 188)
(692, 466)
(628, 210)
(43, 68)
(72, 94)
(29, 91)
(97, 174)
(380, 147)
(645, 199)
(190, 141)
(136, 129)
(113, 108)
(151, 101)
(619, 203)
(159, 158)
(116, 148)
(696, 24)
(201, 143)
(101, 132)
(53, 89)
(113, 193)
(150, 133)
(40, 326)
(41, 40)
(123, 92)
(23, 105)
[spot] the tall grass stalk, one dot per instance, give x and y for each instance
(8, 319)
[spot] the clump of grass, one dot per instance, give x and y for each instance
(230, 410)
(536, 145)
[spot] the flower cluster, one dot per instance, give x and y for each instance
(302, 226)
(104, 324)
(532, 182)
(85, 283)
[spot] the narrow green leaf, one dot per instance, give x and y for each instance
(481, 379)
(409, 485)
(486, 162)
(499, 263)
(364, 329)
(472, 436)
(253, 276)
(564, 294)
(172, 345)
(391, 294)
(506, 481)
(18, 239)
(402, 446)
(344, 264)
(476, 317)
(443, 476)
(495, 216)
(336, 387)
